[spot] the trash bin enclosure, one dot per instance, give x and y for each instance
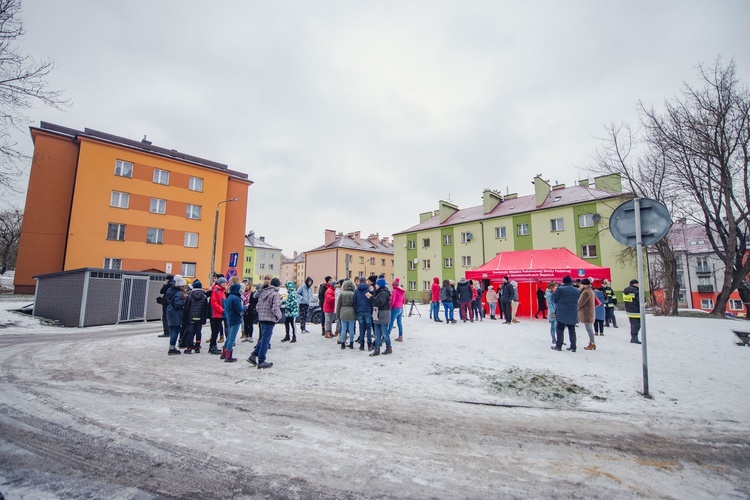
(92, 297)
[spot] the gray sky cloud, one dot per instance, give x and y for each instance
(359, 116)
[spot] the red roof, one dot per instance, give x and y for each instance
(538, 265)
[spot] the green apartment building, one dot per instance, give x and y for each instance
(449, 241)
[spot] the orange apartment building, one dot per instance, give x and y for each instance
(349, 255)
(102, 201)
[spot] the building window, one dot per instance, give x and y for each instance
(382, 262)
(272, 255)
(707, 303)
(361, 260)
(586, 220)
(702, 265)
(248, 259)
(161, 177)
(361, 274)
(155, 236)
(262, 255)
(392, 262)
(588, 251)
(500, 232)
(412, 244)
(447, 239)
(704, 280)
(261, 266)
(248, 271)
(412, 265)
(191, 240)
(523, 229)
(557, 225)
(412, 285)
(425, 242)
(735, 305)
(188, 269)
(270, 267)
(466, 261)
(372, 261)
(158, 206)
(110, 263)
(426, 264)
(193, 212)
(466, 237)
(425, 285)
(448, 262)
(195, 184)
(123, 168)
(116, 232)
(119, 200)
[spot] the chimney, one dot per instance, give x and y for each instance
(446, 210)
(491, 199)
(374, 238)
(425, 216)
(611, 183)
(145, 141)
(385, 241)
(357, 237)
(541, 189)
(295, 254)
(330, 236)
(583, 183)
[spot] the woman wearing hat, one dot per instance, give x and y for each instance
(586, 311)
(381, 301)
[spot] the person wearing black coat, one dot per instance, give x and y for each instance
(506, 296)
(464, 298)
(566, 312)
(168, 283)
(541, 302)
(196, 314)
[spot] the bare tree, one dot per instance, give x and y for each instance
(704, 136)
(644, 170)
(22, 84)
(10, 233)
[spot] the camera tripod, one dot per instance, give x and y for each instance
(413, 308)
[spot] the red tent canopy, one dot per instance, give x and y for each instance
(538, 265)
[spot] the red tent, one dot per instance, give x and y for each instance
(532, 269)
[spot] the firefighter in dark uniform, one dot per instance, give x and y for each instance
(633, 310)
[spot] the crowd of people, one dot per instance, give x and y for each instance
(231, 306)
(370, 306)
(564, 305)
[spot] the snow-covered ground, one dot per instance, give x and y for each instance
(458, 411)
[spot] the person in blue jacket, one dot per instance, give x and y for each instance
(566, 313)
(233, 309)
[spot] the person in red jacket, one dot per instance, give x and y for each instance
(329, 308)
(217, 313)
(435, 300)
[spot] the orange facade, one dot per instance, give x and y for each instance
(105, 203)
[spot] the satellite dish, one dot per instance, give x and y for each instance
(655, 222)
(596, 218)
(416, 260)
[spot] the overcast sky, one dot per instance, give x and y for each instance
(360, 115)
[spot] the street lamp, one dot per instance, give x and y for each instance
(213, 248)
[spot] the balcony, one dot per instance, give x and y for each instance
(705, 289)
(702, 270)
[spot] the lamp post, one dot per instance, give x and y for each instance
(213, 248)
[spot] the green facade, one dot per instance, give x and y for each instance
(525, 242)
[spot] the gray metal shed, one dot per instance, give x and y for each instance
(92, 297)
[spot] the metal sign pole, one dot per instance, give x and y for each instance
(641, 300)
